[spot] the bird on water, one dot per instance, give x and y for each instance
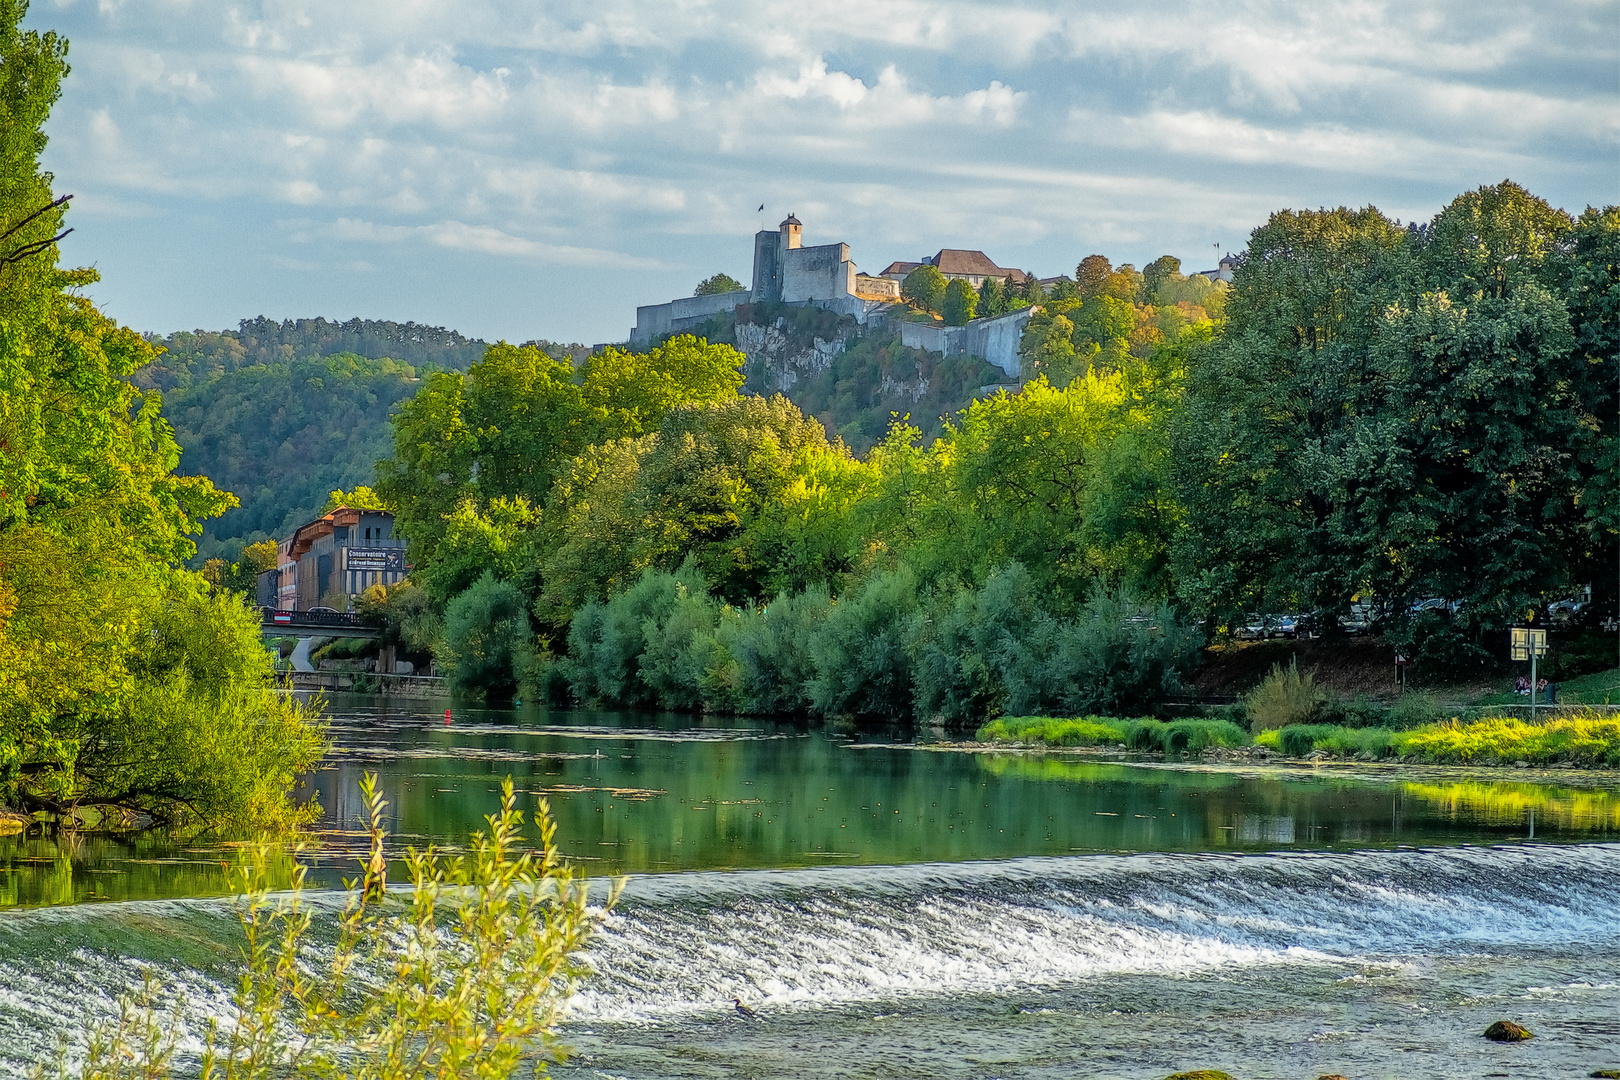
(743, 1010)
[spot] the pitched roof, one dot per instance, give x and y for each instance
(900, 268)
(971, 264)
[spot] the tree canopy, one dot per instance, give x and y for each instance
(718, 283)
(126, 683)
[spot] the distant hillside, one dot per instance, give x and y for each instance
(281, 413)
(199, 355)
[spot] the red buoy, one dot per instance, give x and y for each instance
(447, 717)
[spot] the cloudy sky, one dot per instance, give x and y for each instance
(536, 168)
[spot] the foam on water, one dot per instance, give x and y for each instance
(796, 941)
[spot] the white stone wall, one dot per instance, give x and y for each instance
(655, 320)
(994, 339)
(822, 272)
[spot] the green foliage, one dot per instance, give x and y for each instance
(474, 454)
(1149, 736)
(406, 615)
(1581, 738)
(468, 977)
(608, 643)
(1115, 655)
(965, 640)
(766, 663)
(190, 358)
(126, 684)
(1049, 731)
(718, 283)
(488, 646)
(1390, 413)
(924, 288)
(960, 302)
(863, 664)
(1285, 696)
(282, 436)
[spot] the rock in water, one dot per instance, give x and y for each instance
(1201, 1074)
(1610, 1074)
(1507, 1031)
(1333, 1076)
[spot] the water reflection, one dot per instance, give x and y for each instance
(634, 793)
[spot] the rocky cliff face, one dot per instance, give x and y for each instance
(784, 361)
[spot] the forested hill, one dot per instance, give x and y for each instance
(281, 413)
(195, 356)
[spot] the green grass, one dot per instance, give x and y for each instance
(1152, 736)
(1598, 688)
(1583, 738)
(1051, 731)
(1587, 738)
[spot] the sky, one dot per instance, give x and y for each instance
(526, 169)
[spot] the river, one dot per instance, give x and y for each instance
(892, 910)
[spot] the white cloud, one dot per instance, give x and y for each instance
(635, 139)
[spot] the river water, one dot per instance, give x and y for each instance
(897, 911)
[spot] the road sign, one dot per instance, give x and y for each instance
(1529, 641)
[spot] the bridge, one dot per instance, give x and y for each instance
(319, 623)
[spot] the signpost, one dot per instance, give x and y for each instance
(1530, 642)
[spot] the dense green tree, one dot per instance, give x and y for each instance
(924, 288)
(1390, 413)
(718, 283)
(749, 489)
(1159, 272)
(126, 684)
(992, 298)
(960, 303)
(488, 646)
(512, 425)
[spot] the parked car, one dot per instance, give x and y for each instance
(1259, 627)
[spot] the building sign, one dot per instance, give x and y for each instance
(386, 560)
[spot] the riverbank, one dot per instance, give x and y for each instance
(1576, 738)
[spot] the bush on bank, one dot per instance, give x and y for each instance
(1584, 738)
(887, 649)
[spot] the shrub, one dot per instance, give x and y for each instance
(1585, 738)
(488, 644)
(606, 641)
(764, 663)
(861, 655)
(681, 648)
(1192, 736)
(410, 989)
(962, 643)
(1115, 657)
(1284, 697)
(1414, 710)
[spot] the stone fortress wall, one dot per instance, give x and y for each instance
(823, 276)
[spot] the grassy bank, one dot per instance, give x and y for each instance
(1150, 736)
(1586, 738)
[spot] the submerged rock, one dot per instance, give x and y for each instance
(1201, 1074)
(1611, 1074)
(1333, 1076)
(1507, 1031)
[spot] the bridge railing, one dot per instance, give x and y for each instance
(335, 619)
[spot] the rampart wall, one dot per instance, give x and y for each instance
(655, 320)
(994, 339)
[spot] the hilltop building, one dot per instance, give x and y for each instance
(824, 276)
(343, 553)
(1223, 269)
(972, 267)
